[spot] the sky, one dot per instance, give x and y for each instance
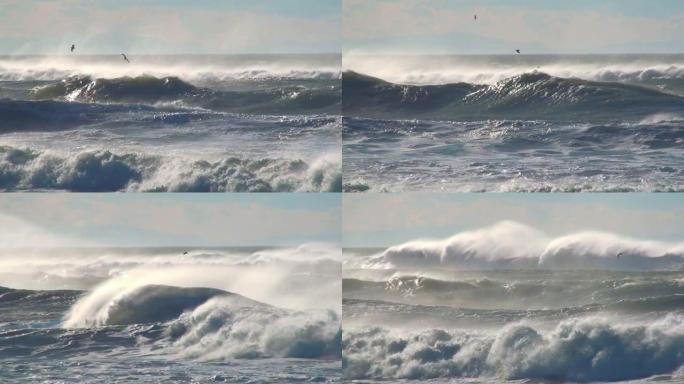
(213, 219)
(534, 26)
(379, 220)
(170, 26)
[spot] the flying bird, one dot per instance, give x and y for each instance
(475, 17)
(618, 255)
(517, 51)
(125, 58)
(73, 46)
(185, 253)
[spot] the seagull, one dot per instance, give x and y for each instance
(125, 58)
(618, 255)
(475, 17)
(517, 51)
(185, 253)
(73, 46)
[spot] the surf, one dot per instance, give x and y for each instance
(532, 95)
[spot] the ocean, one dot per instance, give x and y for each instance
(188, 123)
(526, 308)
(172, 315)
(537, 123)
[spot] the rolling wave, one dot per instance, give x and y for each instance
(658, 71)
(141, 305)
(293, 99)
(510, 245)
(195, 323)
(211, 324)
(102, 170)
(584, 350)
(533, 95)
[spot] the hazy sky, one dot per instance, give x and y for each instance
(170, 26)
(212, 219)
(534, 26)
(387, 219)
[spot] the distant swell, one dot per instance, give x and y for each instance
(533, 95)
(293, 99)
(590, 349)
(100, 170)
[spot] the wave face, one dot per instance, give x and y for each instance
(664, 72)
(534, 95)
(586, 350)
(149, 90)
(146, 304)
(201, 309)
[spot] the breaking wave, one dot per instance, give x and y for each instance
(140, 305)
(655, 71)
(222, 328)
(202, 324)
(589, 349)
(102, 170)
(292, 99)
(510, 245)
(532, 95)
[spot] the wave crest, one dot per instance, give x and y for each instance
(510, 245)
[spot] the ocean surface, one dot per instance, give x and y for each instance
(243, 123)
(525, 309)
(513, 123)
(171, 315)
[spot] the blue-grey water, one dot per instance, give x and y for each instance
(163, 315)
(528, 309)
(513, 123)
(170, 123)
